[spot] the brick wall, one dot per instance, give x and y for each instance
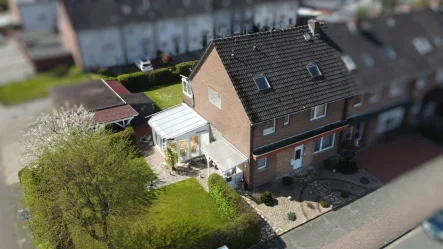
(67, 34)
(298, 123)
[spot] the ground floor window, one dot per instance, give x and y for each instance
(324, 143)
(390, 120)
(262, 163)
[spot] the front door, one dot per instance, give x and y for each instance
(298, 153)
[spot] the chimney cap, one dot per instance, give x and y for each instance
(314, 27)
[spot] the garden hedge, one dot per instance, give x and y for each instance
(141, 81)
(183, 68)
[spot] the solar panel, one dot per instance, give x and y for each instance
(262, 83)
(314, 71)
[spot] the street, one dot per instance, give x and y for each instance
(415, 239)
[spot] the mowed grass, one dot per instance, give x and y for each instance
(37, 86)
(166, 96)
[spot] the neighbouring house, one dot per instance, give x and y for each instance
(106, 33)
(398, 62)
(35, 14)
(99, 97)
(272, 101)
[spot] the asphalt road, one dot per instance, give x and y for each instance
(416, 239)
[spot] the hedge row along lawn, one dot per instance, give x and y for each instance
(166, 96)
(37, 86)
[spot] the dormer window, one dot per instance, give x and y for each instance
(261, 82)
(349, 62)
(389, 53)
(314, 71)
(367, 59)
(422, 45)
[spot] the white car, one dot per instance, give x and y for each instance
(144, 65)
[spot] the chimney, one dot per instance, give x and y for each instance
(314, 27)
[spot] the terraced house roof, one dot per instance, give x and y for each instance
(283, 57)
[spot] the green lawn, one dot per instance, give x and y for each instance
(166, 96)
(37, 86)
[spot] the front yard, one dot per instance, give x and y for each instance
(166, 96)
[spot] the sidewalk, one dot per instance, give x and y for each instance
(377, 218)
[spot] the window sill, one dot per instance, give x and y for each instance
(324, 150)
(358, 105)
(262, 169)
(267, 134)
(187, 94)
(314, 119)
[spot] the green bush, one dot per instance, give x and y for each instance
(310, 205)
(287, 180)
(183, 68)
(324, 204)
(230, 203)
(267, 199)
(141, 81)
(347, 167)
(292, 216)
(127, 134)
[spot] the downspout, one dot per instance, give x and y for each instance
(345, 115)
(251, 171)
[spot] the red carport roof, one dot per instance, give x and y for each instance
(114, 114)
(117, 87)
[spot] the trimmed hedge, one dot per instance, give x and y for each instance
(243, 231)
(183, 68)
(141, 81)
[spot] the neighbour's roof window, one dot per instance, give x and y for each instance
(437, 40)
(313, 70)
(262, 82)
(367, 59)
(349, 62)
(422, 45)
(389, 53)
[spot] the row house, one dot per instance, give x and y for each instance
(34, 14)
(103, 33)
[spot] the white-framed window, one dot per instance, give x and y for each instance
(439, 75)
(422, 45)
(349, 62)
(397, 88)
(286, 119)
(269, 127)
(262, 163)
(186, 86)
(324, 143)
(420, 83)
(375, 95)
(367, 59)
(357, 100)
(319, 111)
(214, 97)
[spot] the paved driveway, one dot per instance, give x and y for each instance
(14, 66)
(392, 158)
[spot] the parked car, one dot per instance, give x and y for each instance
(434, 226)
(144, 65)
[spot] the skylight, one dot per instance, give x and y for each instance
(314, 71)
(437, 40)
(367, 59)
(349, 62)
(422, 45)
(389, 53)
(261, 82)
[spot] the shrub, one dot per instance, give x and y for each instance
(310, 205)
(171, 157)
(141, 81)
(347, 167)
(60, 71)
(348, 144)
(267, 199)
(184, 67)
(324, 204)
(329, 164)
(292, 216)
(230, 203)
(127, 134)
(344, 195)
(287, 180)
(166, 58)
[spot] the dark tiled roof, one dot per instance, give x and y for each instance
(283, 56)
(93, 95)
(114, 113)
(378, 34)
(137, 98)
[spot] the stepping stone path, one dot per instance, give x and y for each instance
(325, 193)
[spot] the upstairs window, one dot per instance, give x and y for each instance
(349, 62)
(262, 82)
(420, 83)
(367, 60)
(314, 71)
(357, 100)
(186, 87)
(269, 127)
(397, 88)
(389, 53)
(422, 45)
(318, 112)
(439, 76)
(286, 120)
(375, 95)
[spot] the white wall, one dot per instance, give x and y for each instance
(101, 47)
(38, 15)
(139, 41)
(264, 15)
(284, 13)
(222, 23)
(171, 36)
(198, 26)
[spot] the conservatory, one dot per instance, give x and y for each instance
(182, 128)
